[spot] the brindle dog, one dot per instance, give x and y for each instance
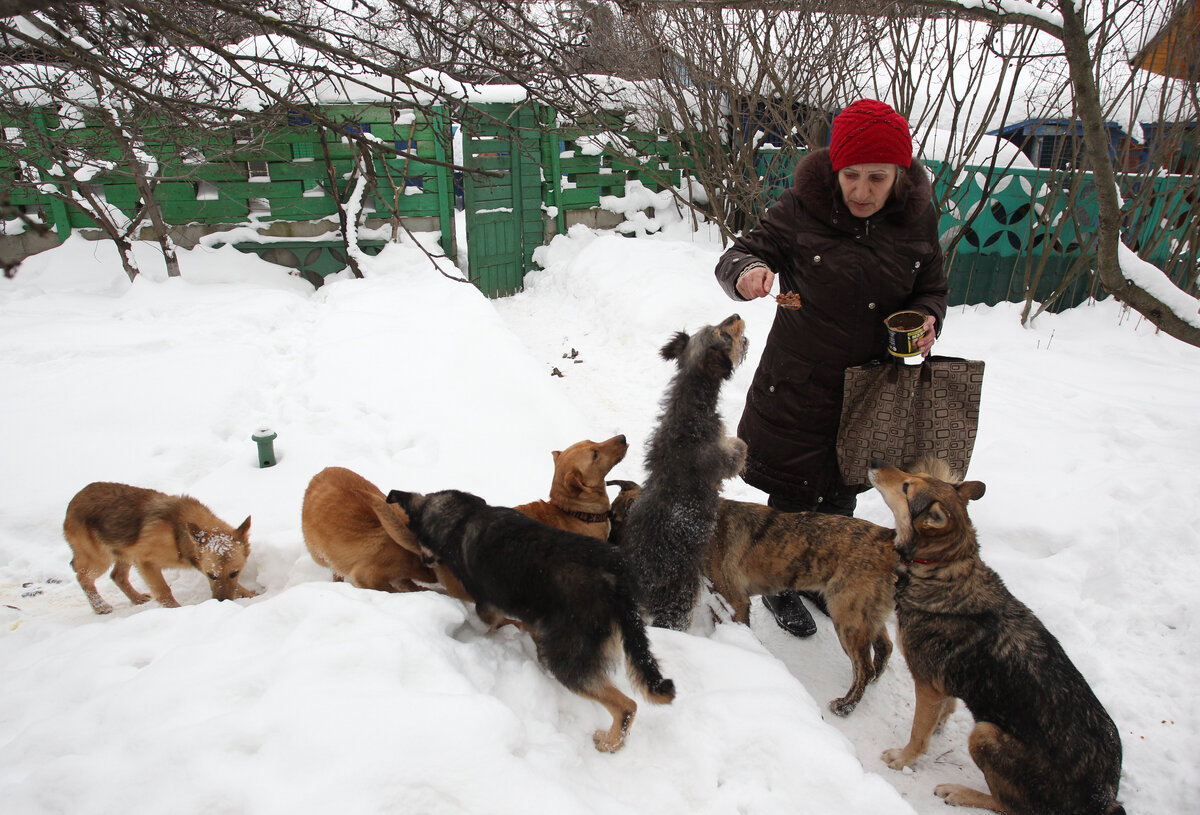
(756, 549)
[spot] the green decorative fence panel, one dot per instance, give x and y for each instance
(293, 171)
(1012, 233)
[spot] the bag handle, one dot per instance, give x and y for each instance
(926, 370)
(926, 367)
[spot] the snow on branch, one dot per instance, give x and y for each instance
(1017, 12)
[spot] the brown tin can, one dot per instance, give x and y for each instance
(904, 329)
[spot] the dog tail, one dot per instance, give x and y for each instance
(640, 662)
(938, 468)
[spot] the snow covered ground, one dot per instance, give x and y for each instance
(316, 697)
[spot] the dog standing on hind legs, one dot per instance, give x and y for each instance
(669, 527)
(1044, 742)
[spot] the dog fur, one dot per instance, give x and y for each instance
(667, 530)
(578, 495)
(757, 550)
(1045, 744)
(570, 592)
(351, 529)
(108, 523)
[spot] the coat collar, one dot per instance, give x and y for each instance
(815, 184)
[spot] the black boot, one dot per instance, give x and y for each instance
(817, 599)
(789, 611)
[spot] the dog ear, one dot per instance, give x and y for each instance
(934, 518)
(971, 490)
(244, 528)
(718, 363)
(674, 348)
(408, 500)
(576, 481)
(554, 454)
(394, 521)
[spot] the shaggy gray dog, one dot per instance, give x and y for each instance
(670, 525)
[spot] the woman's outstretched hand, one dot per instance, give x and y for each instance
(756, 283)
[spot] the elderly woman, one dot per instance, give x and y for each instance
(856, 238)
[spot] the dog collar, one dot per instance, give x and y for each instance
(921, 562)
(590, 517)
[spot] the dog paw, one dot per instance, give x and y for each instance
(844, 706)
(960, 796)
(605, 743)
(138, 599)
(896, 758)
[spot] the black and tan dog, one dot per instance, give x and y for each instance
(667, 530)
(1045, 744)
(756, 549)
(110, 524)
(569, 591)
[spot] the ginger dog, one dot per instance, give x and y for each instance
(351, 529)
(578, 494)
(108, 523)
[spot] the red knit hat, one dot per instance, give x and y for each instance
(870, 132)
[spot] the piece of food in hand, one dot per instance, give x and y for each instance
(787, 299)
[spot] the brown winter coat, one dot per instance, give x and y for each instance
(850, 274)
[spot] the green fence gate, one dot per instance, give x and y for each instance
(502, 194)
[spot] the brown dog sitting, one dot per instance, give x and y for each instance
(109, 523)
(578, 494)
(1044, 742)
(759, 550)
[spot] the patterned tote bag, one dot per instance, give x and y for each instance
(900, 413)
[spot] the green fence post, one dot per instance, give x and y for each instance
(445, 180)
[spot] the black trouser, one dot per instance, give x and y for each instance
(833, 505)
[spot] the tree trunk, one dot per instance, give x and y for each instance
(1095, 145)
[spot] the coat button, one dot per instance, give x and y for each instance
(917, 265)
(771, 388)
(816, 258)
(871, 306)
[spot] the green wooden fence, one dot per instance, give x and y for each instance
(1018, 231)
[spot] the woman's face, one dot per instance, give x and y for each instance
(866, 187)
